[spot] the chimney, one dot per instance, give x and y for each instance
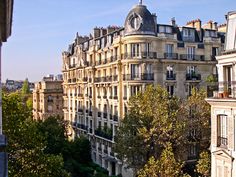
(198, 24)
(173, 22)
(190, 24)
(96, 32)
(111, 29)
(215, 26)
(209, 24)
(154, 16)
(103, 32)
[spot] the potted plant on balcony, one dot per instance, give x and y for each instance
(226, 92)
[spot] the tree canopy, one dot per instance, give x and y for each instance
(153, 121)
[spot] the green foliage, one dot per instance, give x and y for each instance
(41, 148)
(204, 164)
(200, 117)
(150, 169)
(26, 143)
(25, 87)
(211, 78)
(154, 119)
(168, 166)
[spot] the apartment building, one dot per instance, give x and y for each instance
(48, 98)
(223, 108)
(101, 72)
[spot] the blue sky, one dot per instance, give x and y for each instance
(42, 29)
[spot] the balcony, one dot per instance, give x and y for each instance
(226, 90)
(170, 76)
(104, 133)
(167, 36)
(115, 97)
(144, 77)
(82, 126)
(140, 55)
(104, 97)
(192, 57)
(171, 56)
(222, 142)
(193, 76)
(212, 39)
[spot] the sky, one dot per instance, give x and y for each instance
(43, 29)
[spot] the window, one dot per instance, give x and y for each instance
(50, 98)
(222, 130)
(169, 49)
(125, 91)
(170, 89)
(170, 72)
(165, 29)
(191, 69)
(148, 68)
(135, 71)
(135, 50)
(134, 90)
(188, 32)
(192, 151)
(215, 51)
(209, 33)
(115, 90)
(190, 53)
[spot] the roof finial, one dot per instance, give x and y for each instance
(140, 2)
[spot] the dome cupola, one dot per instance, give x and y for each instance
(140, 21)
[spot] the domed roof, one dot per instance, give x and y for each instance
(140, 21)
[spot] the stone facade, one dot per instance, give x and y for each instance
(101, 73)
(223, 108)
(48, 98)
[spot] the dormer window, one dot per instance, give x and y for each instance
(209, 33)
(165, 29)
(188, 32)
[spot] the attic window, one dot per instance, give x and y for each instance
(165, 29)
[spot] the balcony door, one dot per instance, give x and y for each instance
(135, 71)
(169, 50)
(222, 130)
(190, 53)
(135, 50)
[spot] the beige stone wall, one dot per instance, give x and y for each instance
(47, 100)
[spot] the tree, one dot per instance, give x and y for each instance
(204, 164)
(150, 169)
(25, 87)
(25, 143)
(154, 119)
(168, 166)
(199, 117)
(54, 131)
